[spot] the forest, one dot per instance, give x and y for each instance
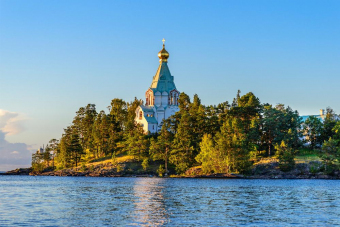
(225, 138)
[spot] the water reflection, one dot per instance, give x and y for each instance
(149, 202)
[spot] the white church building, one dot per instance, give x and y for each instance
(161, 98)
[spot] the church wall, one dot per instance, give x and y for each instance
(171, 110)
(160, 117)
(158, 99)
(144, 124)
(164, 99)
(142, 121)
(152, 128)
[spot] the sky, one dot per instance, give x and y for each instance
(58, 56)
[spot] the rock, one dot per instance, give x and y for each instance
(20, 171)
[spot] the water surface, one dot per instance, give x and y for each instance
(84, 201)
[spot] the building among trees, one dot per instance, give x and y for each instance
(161, 98)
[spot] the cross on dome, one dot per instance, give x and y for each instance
(163, 54)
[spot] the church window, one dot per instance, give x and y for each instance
(140, 115)
(147, 101)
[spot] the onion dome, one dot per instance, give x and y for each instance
(163, 54)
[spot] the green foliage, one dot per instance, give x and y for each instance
(114, 159)
(83, 167)
(286, 156)
(315, 167)
(329, 123)
(330, 155)
(145, 164)
(312, 129)
(119, 168)
(223, 138)
(160, 148)
(212, 160)
(161, 171)
(279, 124)
(38, 164)
(137, 144)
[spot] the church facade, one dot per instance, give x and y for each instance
(161, 98)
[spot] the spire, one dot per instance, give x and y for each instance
(163, 81)
(163, 54)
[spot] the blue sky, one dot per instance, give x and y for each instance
(56, 56)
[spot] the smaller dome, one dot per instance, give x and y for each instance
(163, 54)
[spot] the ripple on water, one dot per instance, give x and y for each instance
(81, 201)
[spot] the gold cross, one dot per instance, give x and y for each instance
(163, 41)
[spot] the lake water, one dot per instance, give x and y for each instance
(84, 201)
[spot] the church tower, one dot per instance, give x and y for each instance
(161, 98)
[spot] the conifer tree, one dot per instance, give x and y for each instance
(160, 148)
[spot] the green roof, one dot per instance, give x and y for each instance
(163, 81)
(151, 120)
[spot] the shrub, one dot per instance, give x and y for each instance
(285, 155)
(83, 167)
(145, 164)
(161, 170)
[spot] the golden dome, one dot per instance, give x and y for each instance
(163, 54)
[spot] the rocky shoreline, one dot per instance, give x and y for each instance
(261, 171)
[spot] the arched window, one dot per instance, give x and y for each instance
(147, 101)
(140, 115)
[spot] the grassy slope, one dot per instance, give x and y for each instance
(131, 164)
(127, 162)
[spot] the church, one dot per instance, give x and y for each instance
(161, 98)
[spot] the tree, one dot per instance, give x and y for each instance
(75, 149)
(52, 148)
(137, 144)
(336, 131)
(182, 153)
(101, 134)
(285, 155)
(212, 160)
(312, 129)
(118, 111)
(279, 124)
(232, 142)
(38, 162)
(160, 148)
(240, 133)
(83, 124)
(330, 155)
(329, 123)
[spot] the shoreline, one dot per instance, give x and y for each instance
(102, 173)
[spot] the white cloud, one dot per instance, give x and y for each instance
(11, 123)
(12, 155)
